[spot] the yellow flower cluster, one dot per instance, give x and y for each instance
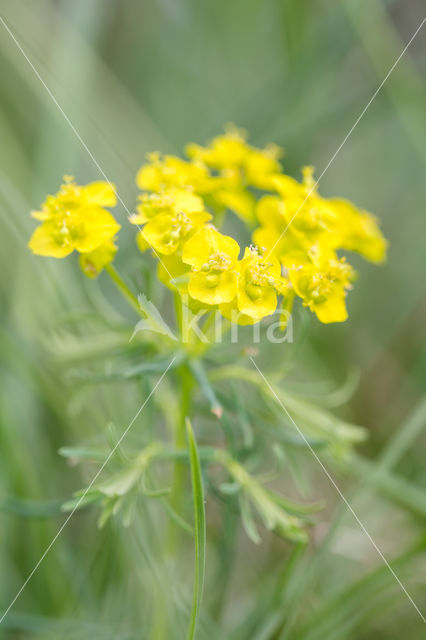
(221, 174)
(295, 242)
(75, 218)
(296, 233)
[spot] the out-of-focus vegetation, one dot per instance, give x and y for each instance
(136, 76)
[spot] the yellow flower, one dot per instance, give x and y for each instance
(222, 152)
(213, 258)
(220, 173)
(257, 284)
(271, 211)
(231, 151)
(172, 267)
(322, 284)
(169, 201)
(335, 222)
(261, 165)
(165, 233)
(299, 231)
(237, 165)
(170, 218)
(239, 201)
(290, 188)
(292, 222)
(160, 172)
(283, 241)
(302, 209)
(299, 221)
(298, 228)
(75, 219)
(92, 263)
(231, 312)
(178, 179)
(359, 231)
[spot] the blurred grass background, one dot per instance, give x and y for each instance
(137, 76)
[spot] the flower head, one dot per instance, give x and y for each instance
(213, 259)
(165, 233)
(231, 154)
(92, 263)
(75, 219)
(258, 283)
(298, 230)
(322, 282)
(162, 172)
(169, 219)
(297, 233)
(169, 201)
(358, 231)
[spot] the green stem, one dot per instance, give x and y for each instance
(178, 312)
(172, 537)
(179, 466)
(123, 288)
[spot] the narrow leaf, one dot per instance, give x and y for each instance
(248, 520)
(154, 321)
(197, 369)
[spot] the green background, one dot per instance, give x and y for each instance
(133, 77)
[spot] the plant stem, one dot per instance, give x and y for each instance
(179, 466)
(123, 288)
(172, 537)
(178, 312)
